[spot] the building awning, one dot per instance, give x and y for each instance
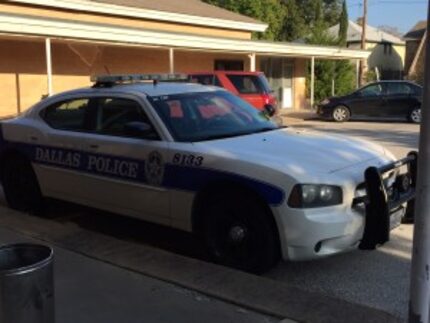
(64, 29)
(192, 12)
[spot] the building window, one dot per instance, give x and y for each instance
(388, 49)
(228, 65)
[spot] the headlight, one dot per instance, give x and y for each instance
(325, 101)
(311, 196)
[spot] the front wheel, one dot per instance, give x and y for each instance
(240, 233)
(415, 115)
(341, 114)
(20, 185)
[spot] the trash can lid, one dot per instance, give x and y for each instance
(23, 257)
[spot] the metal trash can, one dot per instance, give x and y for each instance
(26, 284)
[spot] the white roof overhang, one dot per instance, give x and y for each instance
(103, 8)
(65, 29)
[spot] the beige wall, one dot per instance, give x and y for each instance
(299, 84)
(191, 61)
(23, 78)
(128, 22)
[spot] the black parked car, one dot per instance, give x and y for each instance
(384, 100)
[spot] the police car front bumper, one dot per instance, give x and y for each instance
(364, 223)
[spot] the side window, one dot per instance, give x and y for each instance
(372, 90)
(246, 84)
(398, 89)
(115, 114)
(67, 115)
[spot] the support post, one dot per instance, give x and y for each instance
(363, 67)
(419, 304)
(357, 71)
(312, 81)
(253, 62)
(171, 60)
(48, 65)
(332, 87)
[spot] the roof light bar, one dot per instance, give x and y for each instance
(137, 78)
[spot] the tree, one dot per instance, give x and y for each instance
(294, 26)
(341, 71)
(290, 20)
(271, 12)
(343, 25)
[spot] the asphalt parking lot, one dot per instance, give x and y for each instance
(378, 278)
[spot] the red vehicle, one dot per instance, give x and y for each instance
(252, 87)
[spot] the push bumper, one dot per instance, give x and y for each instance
(383, 203)
(312, 234)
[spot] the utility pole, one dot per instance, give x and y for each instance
(420, 272)
(363, 64)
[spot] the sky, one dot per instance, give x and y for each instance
(403, 14)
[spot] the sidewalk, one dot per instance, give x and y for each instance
(298, 116)
(104, 279)
(91, 291)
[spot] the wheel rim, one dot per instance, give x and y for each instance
(234, 242)
(339, 114)
(416, 115)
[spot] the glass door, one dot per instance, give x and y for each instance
(279, 72)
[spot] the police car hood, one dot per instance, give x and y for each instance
(313, 151)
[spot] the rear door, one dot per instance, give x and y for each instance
(58, 153)
(367, 102)
(399, 99)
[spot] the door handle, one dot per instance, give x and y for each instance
(33, 138)
(94, 146)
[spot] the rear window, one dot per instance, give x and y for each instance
(249, 84)
(67, 115)
(205, 79)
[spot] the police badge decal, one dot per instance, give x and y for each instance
(154, 168)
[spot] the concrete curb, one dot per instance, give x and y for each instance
(249, 291)
(298, 116)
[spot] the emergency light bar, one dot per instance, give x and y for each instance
(130, 78)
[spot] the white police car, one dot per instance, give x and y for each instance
(200, 159)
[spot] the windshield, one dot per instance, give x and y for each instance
(209, 115)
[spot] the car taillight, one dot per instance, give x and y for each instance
(269, 99)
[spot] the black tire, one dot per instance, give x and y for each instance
(240, 233)
(341, 113)
(415, 115)
(20, 185)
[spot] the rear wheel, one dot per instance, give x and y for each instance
(240, 233)
(20, 185)
(341, 114)
(415, 115)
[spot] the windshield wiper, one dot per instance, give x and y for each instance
(220, 136)
(237, 134)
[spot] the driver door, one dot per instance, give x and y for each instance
(125, 172)
(368, 101)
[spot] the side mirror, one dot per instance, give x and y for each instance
(269, 110)
(138, 129)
